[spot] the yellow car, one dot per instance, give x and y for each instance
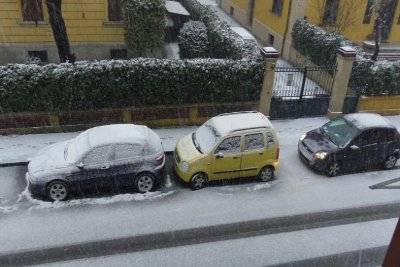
(228, 146)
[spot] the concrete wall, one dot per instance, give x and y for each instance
(239, 12)
(262, 32)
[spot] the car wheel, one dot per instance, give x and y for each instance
(57, 190)
(144, 183)
(333, 169)
(198, 181)
(266, 174)
(390, 162)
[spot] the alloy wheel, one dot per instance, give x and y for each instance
(390, 162)
(198, 181)
(57, 191)
(266, 174)
(145, 183)
(333, 169)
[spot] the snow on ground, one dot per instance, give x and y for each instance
(172, 50)
(256, 251)
(297, 190)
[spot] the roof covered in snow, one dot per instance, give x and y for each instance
(117, 133)
(368, 120)
(236, 121)
(175, 7)
(245, 34)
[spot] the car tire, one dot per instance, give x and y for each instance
(390, 162)
(333, 169)
(198, 181)
(57, 191)
(266, 174)
(144, 182)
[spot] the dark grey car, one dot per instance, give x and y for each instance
(121, 155)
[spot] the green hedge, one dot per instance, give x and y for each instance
(145, 25)
(193, 40)
(125, 83)
(224, 42)
(367, 78)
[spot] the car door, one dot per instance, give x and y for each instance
(227, 159)
(127, 161)
(96, 166)
(387, 144)
(254, 153)
(362, 152)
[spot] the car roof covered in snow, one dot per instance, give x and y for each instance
(368, 120)
(239, 121)
(118, 133)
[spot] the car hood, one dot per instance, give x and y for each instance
(316, 141)
(186, 149)
(50, 159)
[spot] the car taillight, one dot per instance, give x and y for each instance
(160, 158)
(277, 153)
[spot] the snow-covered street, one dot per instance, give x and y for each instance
(31, 224)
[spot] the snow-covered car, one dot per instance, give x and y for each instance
(120, 155)
(351, 142)
(228, 146)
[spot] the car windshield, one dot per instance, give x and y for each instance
(205, 138)
(339, 131)
(76, 147)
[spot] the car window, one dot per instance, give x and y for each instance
(270, 139)
(368, 137)
(97, 155)
(253, 141)
(126, 151)
(230, 145)
(388, 135)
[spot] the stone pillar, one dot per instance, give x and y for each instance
(297, 11)
(345, 58)
(271, 56)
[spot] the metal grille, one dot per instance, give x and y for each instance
(304, 82)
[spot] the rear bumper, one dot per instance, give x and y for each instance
(35, 189)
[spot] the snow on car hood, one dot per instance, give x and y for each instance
(186, 149)
(49, 159)
(316, 141)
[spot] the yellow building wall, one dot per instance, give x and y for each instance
(357, 32)
(243, 4)
(263, 13)
(86, 22)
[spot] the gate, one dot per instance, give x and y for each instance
(301, 92)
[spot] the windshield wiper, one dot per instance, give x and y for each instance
(195, 142)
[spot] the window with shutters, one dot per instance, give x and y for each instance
(368, 12)
(331, 12)
(114, 10)
(32, 10)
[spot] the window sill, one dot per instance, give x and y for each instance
(113, 23)
(33, 23)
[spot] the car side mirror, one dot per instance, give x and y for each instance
(80, 165)
(354, 147)
(219, 155)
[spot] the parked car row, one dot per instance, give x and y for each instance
(228, 146)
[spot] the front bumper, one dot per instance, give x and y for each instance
(184, 176)
(308, 158)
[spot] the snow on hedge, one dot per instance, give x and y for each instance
(368, 77)
(193, 40)
(125, 83)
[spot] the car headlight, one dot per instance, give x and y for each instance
(303, 136)
(321, 155)
(184, 166)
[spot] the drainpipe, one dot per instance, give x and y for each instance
(287, 26)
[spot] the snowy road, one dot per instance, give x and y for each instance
(26, 224)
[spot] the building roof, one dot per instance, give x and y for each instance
(368, 120)
(237, 121)
(175, 7)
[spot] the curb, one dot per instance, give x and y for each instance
(199, 235)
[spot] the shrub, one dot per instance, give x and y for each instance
(193, 40)
(125, 83)
(145, 25)
(368, 77)
(224, 42)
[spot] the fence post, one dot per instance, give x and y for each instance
(303, 82)
(345, 58)
(271, 55)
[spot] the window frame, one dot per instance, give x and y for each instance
(277, 7)
(40, 15)
(327, 20)
(254, 149)
(216, 151)
(110, 15)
